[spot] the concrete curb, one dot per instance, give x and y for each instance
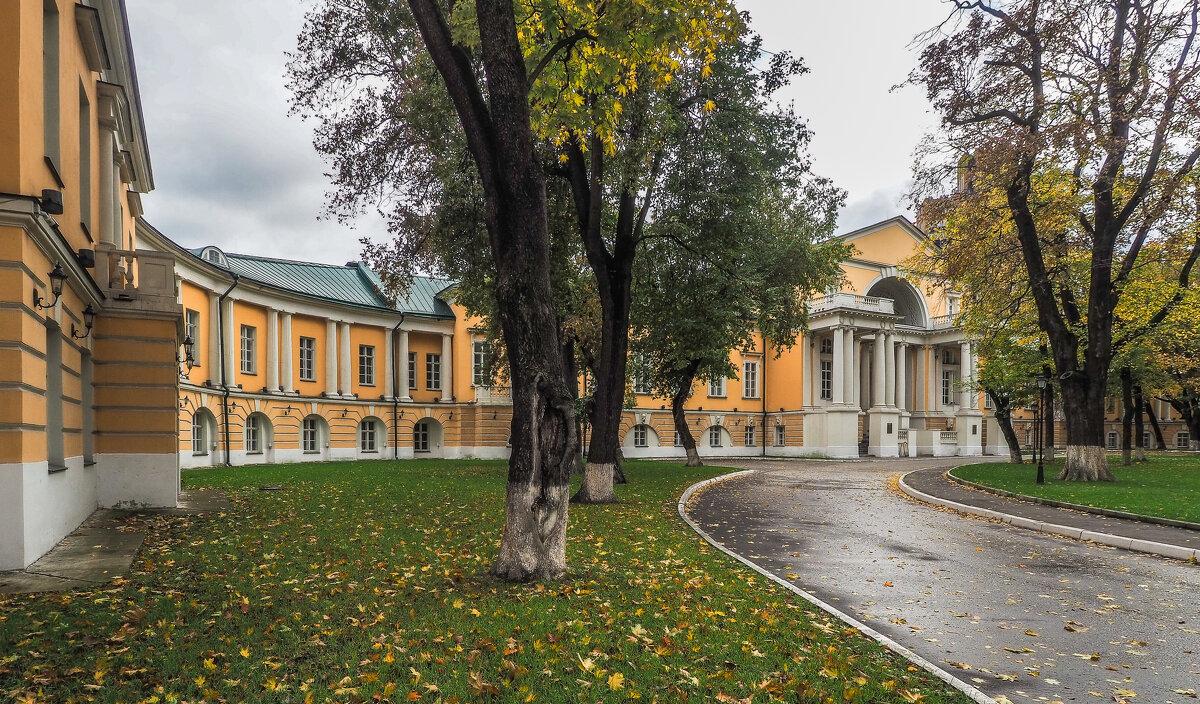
(1110, 513)
(1162, 549)
(974, 694)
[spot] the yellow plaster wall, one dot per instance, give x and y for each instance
(304, 326)
(422, 344)
(369, 335)
(246, 314)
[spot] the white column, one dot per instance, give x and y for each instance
(935, 379)
(889, 370)
(902, 376)
(272, 351)
(117, 234)
(839, 366)
(964, 372)
(233, 344)
(814, 368)
(286, 354)
(851, 362)
(405, 393)
(214, 338)
(805, 369)
(345, 382)
(389, 363)
(447, 369)
(920, 382)
(106, 185)
(331, 365)
(878, 373)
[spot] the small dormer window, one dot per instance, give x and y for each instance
(212, 255)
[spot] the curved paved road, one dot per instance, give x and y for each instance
(1030, 616)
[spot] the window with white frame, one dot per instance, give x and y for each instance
(641, 438)
(421, 436)
(947, 387)
(951, 305)
(191, 328)
(366, 365)
(827, 345)
(1112, 440)
(641, 380)
(678, 442)
(481, 363)
(949, 356)
(751, 436)
(714, 436)
(253, 436)
(308, 359)
(412, 370)
(826, 381)
(716, 388)
(987, 401)
(368, 436)
(750, 378)
(433, 371)
(1182, 440)
(1147, 441)
(780, 436)
(199, 435)
(311, 435)
(249, 349)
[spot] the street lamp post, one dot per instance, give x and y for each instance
(1039, 422)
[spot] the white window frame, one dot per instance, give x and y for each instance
(641, 438)
(826, 380)
(714, 436)
(750, 385)
(1183, 439)
(191, 328)
(948, 378)
(751, 438)
(308, 358)
(310, 435)
(780, 436)
(481, 354)
(252, 437)
(421, 437)
(716, 388)
(412, 371)
(827, 345)
(1113, 441)
(433, 371)
(368, 436)
(640, 382)
(248, 349)
(199, 435)
(366, 365)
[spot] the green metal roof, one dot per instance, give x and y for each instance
(353, 283)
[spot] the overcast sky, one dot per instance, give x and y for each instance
(233, 169)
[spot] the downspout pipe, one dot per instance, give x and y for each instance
(764, 398)
(396, 369)
(224, 365)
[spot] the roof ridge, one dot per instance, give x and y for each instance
(279, 260)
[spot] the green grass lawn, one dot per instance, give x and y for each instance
(1168, 486)
(365, 582)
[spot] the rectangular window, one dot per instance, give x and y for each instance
(947, 387)
(641, 381)
(412, 371)
(421, 437)
(366, 365)
(249, 349)
(716, 388)
(949, 357)
(367, 436)
(951, 305)
(827, 346)
(308, 359)
(1182, 440)
(310, 436)
(714, 436)
(433, 372)
(191, 328)
(85, 160)
(780, 436)
(199, 442)
(640, 436)
(1112, 440)
(253, 439)
(751, 436)
(750, 379)
(50, 87)
(678, 439)
(826, 381)
(987, 401)
(481, 363)
(1147, 442)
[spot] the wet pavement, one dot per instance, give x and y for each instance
(1030, 616)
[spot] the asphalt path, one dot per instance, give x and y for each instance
(1029, 616)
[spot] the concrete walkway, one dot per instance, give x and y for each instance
(932, 485)
(1032, 617)
(102, 548)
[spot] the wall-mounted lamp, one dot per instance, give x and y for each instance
(451, 416)
(89, 319)
(57, 278)
(188, 358)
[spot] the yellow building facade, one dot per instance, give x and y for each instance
(88, 325)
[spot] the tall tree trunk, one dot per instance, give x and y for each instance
(1126, 417)
(679, 415)
(1158, 434)
(1139, 429)
(1086, 458)
(1003, 415)
(497, 127)
(1048, 434)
